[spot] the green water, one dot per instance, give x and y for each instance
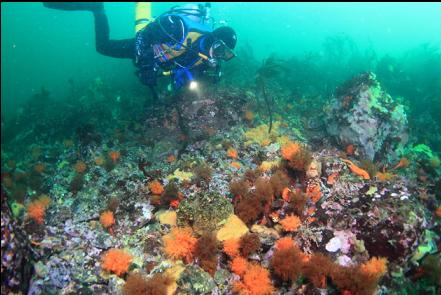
(47, 47)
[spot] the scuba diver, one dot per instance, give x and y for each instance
(180, 43)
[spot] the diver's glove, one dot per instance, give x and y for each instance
(213, 74)
(148, 76)
(216, 75)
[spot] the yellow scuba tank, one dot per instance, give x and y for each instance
(143, 15)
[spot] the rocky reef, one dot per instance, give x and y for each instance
(199, 196)
(362, 114)
(16, 252)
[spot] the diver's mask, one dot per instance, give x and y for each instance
(219, 50)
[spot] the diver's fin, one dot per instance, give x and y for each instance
(72, 6)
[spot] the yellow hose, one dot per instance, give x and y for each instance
(143, 15)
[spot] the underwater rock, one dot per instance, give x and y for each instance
(342, 240)
(204, 212)
(174, 271)
(314, 170)
(390, 228)
(333, 245)
(40, 269)
(60, 273)
(16, 270)
(194, 280)
(116, 285)
(207, 114)
(167, 217)
(145, 215)
(362, 114)
(234, 227)
(266, 235)
(221, 278)
(181, 176)
(102, 240)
